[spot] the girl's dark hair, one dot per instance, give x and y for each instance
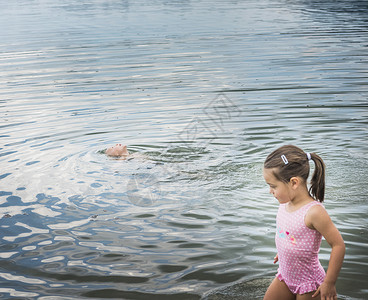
(290, 161)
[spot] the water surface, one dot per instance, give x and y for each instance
(201, 91)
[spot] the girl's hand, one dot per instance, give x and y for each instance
(327, 291)
(276, 259)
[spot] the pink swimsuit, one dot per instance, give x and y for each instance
(297, 249)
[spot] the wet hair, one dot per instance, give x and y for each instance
(290, 161)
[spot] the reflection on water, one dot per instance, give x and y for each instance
(200, 92)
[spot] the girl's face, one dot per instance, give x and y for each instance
(280, 190)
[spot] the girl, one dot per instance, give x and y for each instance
(300, 224)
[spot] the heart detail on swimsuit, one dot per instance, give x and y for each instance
(287, 232)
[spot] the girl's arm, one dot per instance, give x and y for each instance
(317, 218)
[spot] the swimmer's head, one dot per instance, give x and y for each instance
(117, 151)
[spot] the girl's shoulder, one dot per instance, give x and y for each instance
(315, 214)
(315, 205)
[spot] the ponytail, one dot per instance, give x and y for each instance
(317, 188)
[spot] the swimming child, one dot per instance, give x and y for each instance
(117, 151)
(300, 224)
(120, 152)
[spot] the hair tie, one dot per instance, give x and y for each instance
(309, 156)
(284, 159)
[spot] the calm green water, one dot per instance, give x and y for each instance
(202, 91)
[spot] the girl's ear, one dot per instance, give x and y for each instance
(294, 181)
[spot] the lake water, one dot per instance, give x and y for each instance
(201, 91)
